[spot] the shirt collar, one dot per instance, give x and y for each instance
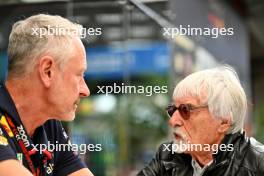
(197, 169)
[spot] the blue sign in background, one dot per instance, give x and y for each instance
(137, 59)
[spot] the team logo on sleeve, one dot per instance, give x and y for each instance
(6, 127)
(3, 141)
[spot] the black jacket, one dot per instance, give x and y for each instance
(247, 159)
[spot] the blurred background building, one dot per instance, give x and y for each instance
(133, 50)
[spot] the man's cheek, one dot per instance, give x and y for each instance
(189, 136)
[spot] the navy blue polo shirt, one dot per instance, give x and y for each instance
(52, 132)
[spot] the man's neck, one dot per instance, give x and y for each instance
(27, 104)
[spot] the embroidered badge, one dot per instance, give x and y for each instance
(3, 141)
(6, 126)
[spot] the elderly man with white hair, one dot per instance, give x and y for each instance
(44, 85)
(206, 118)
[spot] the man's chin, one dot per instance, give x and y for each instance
(179, 146)
(67, 118)
(71, 118)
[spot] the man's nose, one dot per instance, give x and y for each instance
(176, 120)
(84, 90)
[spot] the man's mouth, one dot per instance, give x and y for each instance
(76, 103)
(177, 136)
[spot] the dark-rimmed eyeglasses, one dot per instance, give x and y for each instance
(184, 109)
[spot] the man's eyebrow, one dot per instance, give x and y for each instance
(82, 71)
(84, 68)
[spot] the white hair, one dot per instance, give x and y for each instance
(25, 47)
(221, 90)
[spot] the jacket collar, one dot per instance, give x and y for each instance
(7, 105)
(229, 139)
(184, 160)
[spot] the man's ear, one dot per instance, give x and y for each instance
(225, 124)
(46, 69)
